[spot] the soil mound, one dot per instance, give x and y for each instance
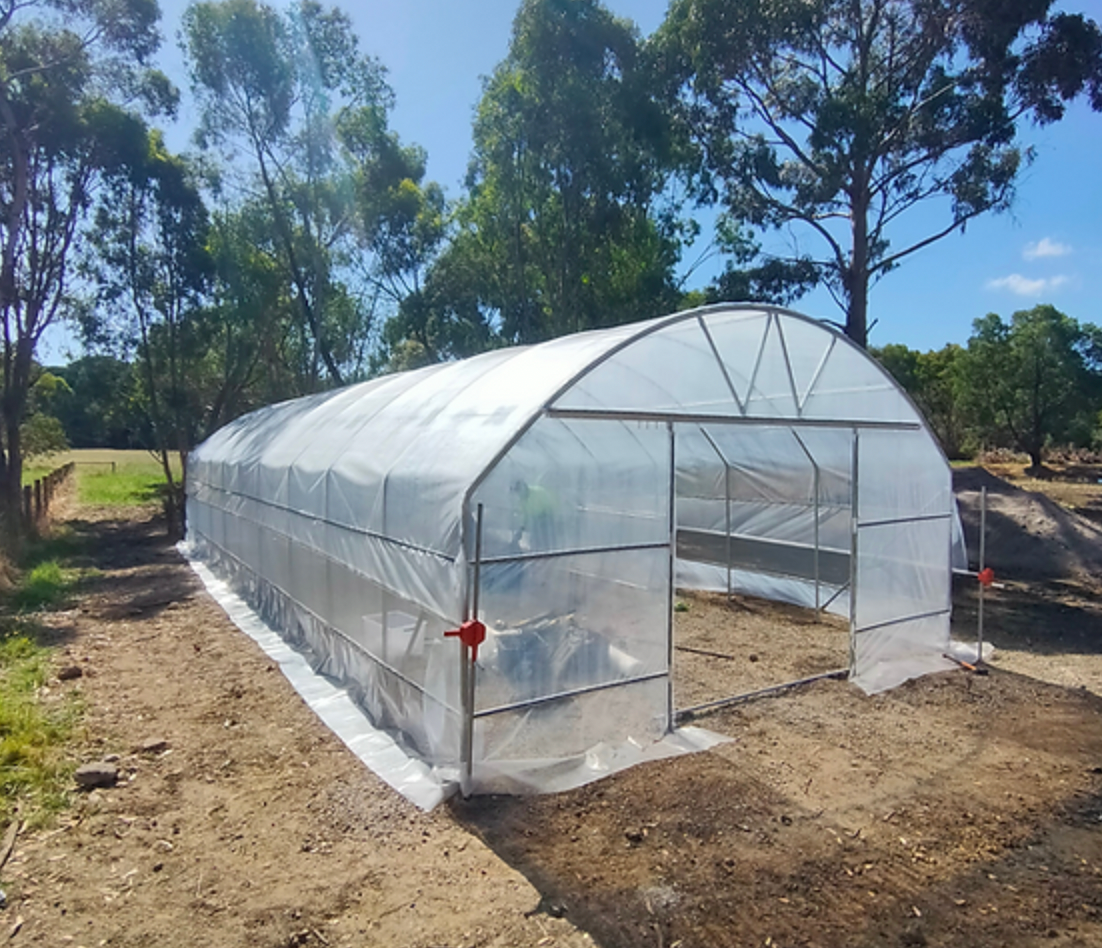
(1029, 536)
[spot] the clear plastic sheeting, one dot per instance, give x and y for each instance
(334, 705)
(560, 491)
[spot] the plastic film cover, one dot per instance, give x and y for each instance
(349, 518)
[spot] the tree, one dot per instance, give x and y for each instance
(561, 229)
(64, 68)
(840, 116)
(932, 379)
(42, 433)
(96, 407)
(152, 270)
(1032, 381)
(255, 352)
(294, 94)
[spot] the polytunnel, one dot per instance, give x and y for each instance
(559, 494)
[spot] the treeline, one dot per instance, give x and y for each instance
(1029, 385)
(298, 244)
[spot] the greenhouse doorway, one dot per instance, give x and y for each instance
(764, 542)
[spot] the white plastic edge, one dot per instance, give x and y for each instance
(412, 778)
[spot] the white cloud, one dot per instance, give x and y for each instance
(1045, 248)
(1024, 286)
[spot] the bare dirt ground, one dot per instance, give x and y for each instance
(723, 649)
(956, 810)
(253, 826)
(1032, 532)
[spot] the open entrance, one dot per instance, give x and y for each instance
(764, 550)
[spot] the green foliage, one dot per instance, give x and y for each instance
(43, 435)
(842, 115)
(747, 277)
(99, 408)
(300, 110)
(1034, 380)
(563, 227)
(34, 770)
(70, 76)
(932, 379)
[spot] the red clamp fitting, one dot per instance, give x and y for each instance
(471, 633)
(986, 576)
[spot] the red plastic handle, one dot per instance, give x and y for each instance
(471, 633)
(986, 576)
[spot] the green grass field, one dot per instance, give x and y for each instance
(107, 477)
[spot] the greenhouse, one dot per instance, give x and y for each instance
(486, 552)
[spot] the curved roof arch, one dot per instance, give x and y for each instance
(398, 456)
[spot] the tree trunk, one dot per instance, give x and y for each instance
(13, 481)
(857, 314)
(12, 410)
(857, 280)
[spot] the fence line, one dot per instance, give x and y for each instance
(38, 496)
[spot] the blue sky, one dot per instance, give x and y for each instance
(1047, 249)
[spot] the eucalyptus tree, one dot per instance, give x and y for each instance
(152, 270)
(70, 74)
(841, 116)
(292, 94)
(256, 350)
(564, 226)
(934, 380)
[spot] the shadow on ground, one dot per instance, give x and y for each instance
(722, 848)
(1050, 618)
(145, 578)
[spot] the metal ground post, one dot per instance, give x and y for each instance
(983, 556)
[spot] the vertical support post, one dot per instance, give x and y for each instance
(467, 669)
(815, 474)
(385, 599)
(727, 530)
(983, 557)
(672, 579)
(466, 732)
(853, 549)
(727, 468)
(38, 500)
(818, 585)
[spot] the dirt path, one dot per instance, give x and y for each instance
(253, 825)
